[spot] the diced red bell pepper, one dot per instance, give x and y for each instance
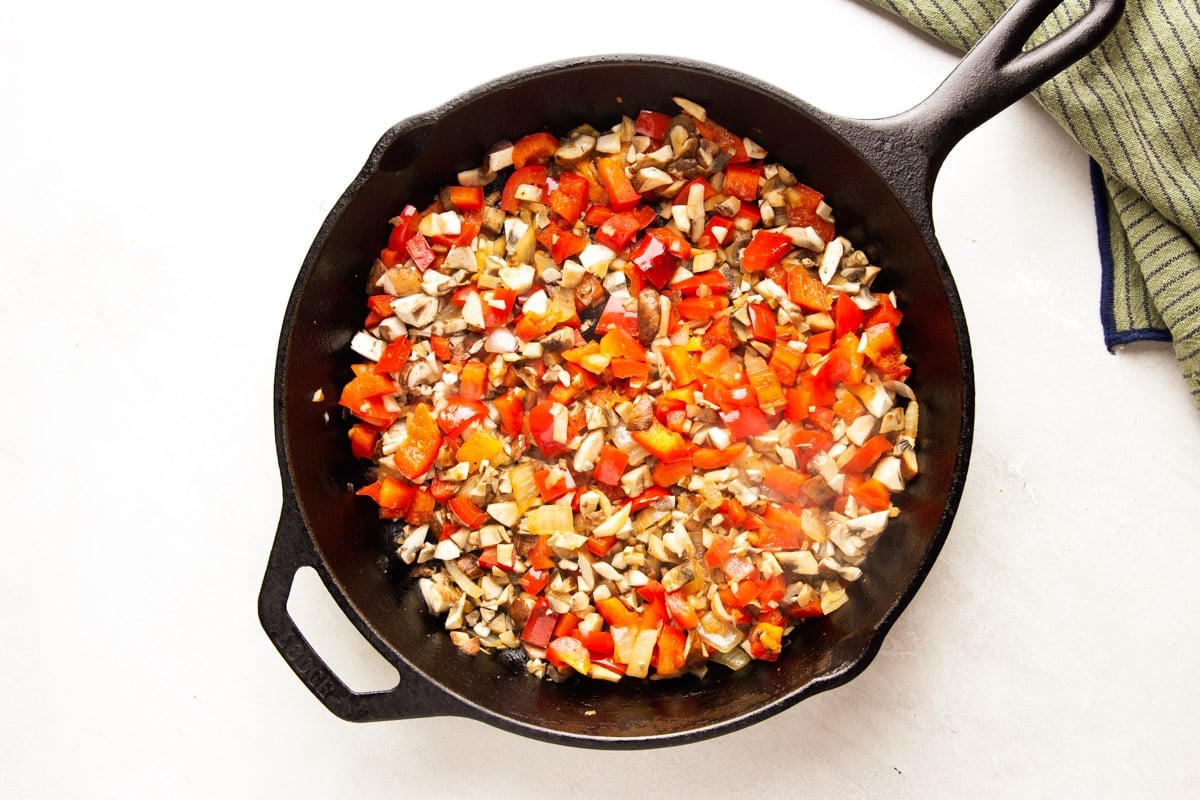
(729, 142)
(885, 312)
(541, 556)
(718, 551)
(654, 261)
(717, 232)
(720, 332)
(535, 148)
(600, 545)
(419, 250)
(617, 313)
(541, 428)
(680, 610)
(847, 315)
(621, 194)
(884, 351)
(867, 455)
(395, 356)
(682, 198)
(403, 229)
(762, 322)
(561, 243)
(674, 241)
(533, 175)
(765, 249)
(742, 423)
(534, 580)
(806, 291)
(847, 407)
(570, 197)
(741, 181)
(489, 559)
(617, 231)
(459, 413)
(443, 491)
(654, 124)
(610, 466)
(420, 512)
(539, 628)
(702, 308)
(365, 386)
(512, 413)
(709, 283)
(802, 204)
(598, 642)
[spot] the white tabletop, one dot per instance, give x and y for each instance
(164, 169)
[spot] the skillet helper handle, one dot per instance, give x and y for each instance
(995, 73)
(412, 697)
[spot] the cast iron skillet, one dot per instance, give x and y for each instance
(878, 175)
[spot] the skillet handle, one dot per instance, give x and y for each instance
(993, 75)
(413, 697)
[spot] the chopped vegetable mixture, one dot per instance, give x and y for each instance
(633, 400)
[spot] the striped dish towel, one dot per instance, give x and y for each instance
(1134, 106)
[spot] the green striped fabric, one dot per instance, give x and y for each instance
(1134, 106)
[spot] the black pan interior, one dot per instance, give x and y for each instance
(410, 164)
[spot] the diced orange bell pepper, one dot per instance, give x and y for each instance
(669, 654)
(616, 613)
(480, 445)
(472, 380)
(467, 512)
(663, 443)
(872, 494)
(421, 444)
(786, 481)
(681, 365)
(765, 384)
(466, 198)
(680, 610)
(568, 651)
(709, 458)
(667, 474)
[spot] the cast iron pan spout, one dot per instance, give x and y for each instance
(877, 174)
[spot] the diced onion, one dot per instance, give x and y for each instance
(547, 520)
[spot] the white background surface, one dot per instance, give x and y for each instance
(163, 171)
